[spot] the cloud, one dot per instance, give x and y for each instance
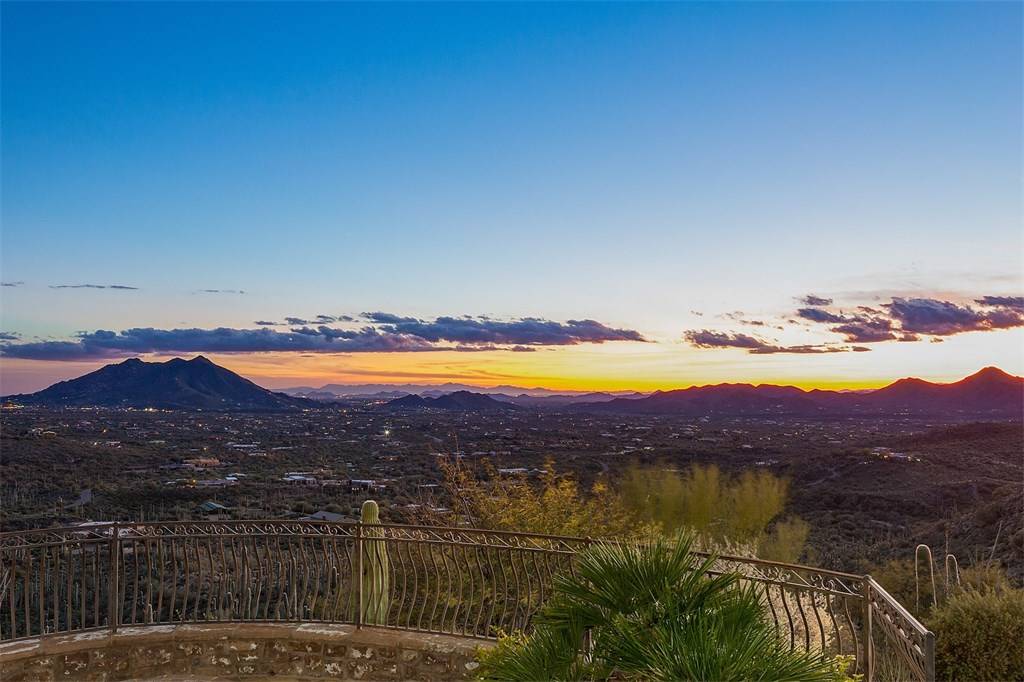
(221, 291)
(266, 323)
(119, 287)
(326, 319)
(706, 338)
(388, 318)
(463, 334)
(812, 300)
(865, 329)
(296, 320)
(1015, 302)
(527, 331)
(943, 318)
(907, 319)
(809, 349)
(108, 344)
(819, 315)
(11, 284)
(9, 336)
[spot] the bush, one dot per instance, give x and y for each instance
(979, 635)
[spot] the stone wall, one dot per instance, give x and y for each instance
(240, 651)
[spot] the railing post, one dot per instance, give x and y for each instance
(869, 640)
(359, 578)
(113, 605)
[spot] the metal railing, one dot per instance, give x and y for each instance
(474, 583)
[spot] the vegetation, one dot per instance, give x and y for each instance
(652, 612)
(720, 508)
(740, 514)
(556, 506)
(980, 635)
(977, 617)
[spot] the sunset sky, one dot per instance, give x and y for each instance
(586, 196)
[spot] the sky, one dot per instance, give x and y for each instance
(578, 196)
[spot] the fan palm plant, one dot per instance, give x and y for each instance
(652, 612)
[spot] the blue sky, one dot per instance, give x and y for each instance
(629, 164)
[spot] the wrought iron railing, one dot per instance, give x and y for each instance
(475, 583)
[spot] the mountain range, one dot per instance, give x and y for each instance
(199, 384)
(459, 401)
(387, 391)
(990, 390)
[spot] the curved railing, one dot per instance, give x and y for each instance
(470, 582)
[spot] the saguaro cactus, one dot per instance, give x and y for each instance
(374, 583)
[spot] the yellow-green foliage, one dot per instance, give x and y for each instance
(556, 506)
(785, 540)
(722, 508)
(731, 514)
(980, 635)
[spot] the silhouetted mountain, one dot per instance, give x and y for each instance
(379, 391)
(459, 401)
(989, 391)
(195, 384)
(563, 400)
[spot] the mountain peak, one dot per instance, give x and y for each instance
(174, 384)
(990, 373)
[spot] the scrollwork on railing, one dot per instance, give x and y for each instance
(464, 581)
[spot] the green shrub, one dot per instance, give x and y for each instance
(979, 635)
(652, 612)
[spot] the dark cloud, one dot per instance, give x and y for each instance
(11, 284)
(326, 319)
(266, 323)
(296, 320)
(809, 349)
(865, 329)
(119, 287)
(527, 331)
(812, 300)
(221, 291)
(388, 318)
(463, 334)
(107, 344)
(907, 319)
(9, 336)
(943, 318)
(819, 315)
(1015, 302)
(705, 338)
(346, 318)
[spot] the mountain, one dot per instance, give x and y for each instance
(382, 391)
(563, 400)
(989, 391)
(196, 384)
(459, 401)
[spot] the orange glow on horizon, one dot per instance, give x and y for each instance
(607, 367)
